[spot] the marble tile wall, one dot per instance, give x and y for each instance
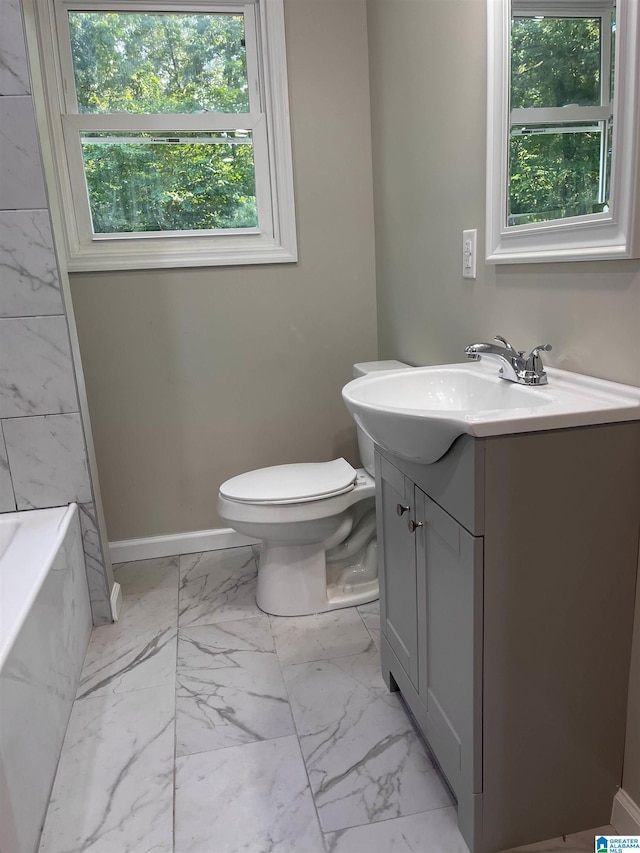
(43, 457)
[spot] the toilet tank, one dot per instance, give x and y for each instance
(365, 445)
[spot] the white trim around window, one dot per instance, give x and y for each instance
(602, 236)
(61, 127)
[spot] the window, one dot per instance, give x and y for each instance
(563, 130)
(561, 110)
(169, 126)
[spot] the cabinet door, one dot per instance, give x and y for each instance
(397, 561)
(449, 591)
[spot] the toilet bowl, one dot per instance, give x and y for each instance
(316, 521)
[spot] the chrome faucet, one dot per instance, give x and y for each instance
(515, 366)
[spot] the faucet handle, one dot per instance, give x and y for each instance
(504, 342)
(535, 352)
(534, 362)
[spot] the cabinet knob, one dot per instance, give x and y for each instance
(414, 525)
(400, 509)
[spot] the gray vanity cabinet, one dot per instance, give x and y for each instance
(506, 600)
(431, 615)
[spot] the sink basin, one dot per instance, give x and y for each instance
(418, 413)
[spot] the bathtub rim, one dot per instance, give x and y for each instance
(26, 563)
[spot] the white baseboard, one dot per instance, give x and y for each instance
(177, 543)
(625, 816)
(116, 601)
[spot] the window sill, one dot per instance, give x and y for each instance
(187, 252)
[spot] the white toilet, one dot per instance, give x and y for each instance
(317, 524)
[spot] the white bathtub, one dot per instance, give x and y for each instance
(45, 623)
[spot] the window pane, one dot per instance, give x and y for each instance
(555, 62)
(159, 63)
(555, 172)
(138, 182)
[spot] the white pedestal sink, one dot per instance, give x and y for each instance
(417, 414)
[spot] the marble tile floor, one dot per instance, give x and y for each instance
(202, 725)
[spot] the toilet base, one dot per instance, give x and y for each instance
(366, 593)
(299, 580)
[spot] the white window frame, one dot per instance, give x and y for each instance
(611, 234)
(273, 241)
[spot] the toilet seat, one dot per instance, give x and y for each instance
(240, 513)
(291, 484)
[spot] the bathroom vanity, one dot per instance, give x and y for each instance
(507, 582)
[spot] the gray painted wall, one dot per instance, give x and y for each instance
(196, 375)
(43, 453)
(428, 96)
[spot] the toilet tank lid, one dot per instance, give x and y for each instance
(365, 367)
(281, 484)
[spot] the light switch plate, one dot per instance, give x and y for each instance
(469, 243)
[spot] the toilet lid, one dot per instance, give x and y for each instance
(284, 484)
